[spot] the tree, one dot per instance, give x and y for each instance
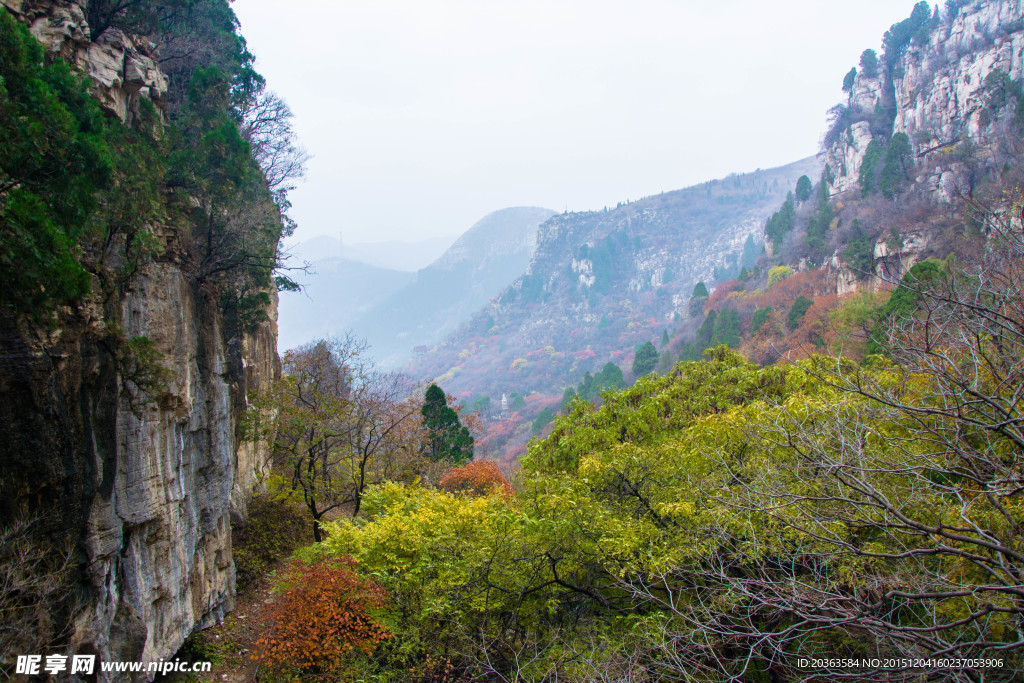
(727, 329)
(868, 166)
(325, 613)
(645, 359)
(860, 250)
(804, 187)
(797, 311)
(758, 319)
(869, 63)
(898, 162)
(479, 478)
(781, 222)
(611, 376)
(447, 438)
(336, 425)
(664, 338)
(849, 80)
(543, 418)
(698, 299)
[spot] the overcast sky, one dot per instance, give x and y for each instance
(422, 117)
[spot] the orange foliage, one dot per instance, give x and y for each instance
(478, 478)
(323, 615)
(723, 292)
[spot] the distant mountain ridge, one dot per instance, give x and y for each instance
(602, 281)
(335, 294)
(477, 267)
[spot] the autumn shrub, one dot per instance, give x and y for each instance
(476, 478)
(275, 528)
(325, 616)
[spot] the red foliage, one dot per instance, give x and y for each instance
(324, 614)
(477, 478)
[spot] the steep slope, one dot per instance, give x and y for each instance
(602, 281)
(336, 293)
(481, 263)
(121, 397)
(940, 80)
(921, 158)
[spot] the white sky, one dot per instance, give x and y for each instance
(422, 117)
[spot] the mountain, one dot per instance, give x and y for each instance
(390, 255)
(603, 281)
(335, 294)
(477, 267)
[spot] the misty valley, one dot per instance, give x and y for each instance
(767, 427)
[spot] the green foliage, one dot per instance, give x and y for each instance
(869, 166)
(758, 319)
(898, 37)
(751, 251)
(698, 299)
(727, 329)
(447, 438)
(781, 222)
(544, 417)
(645, 359)
(899, 160)
(849, 80)
(664, 339)
(60, 156)
(797, 311)
(860, 250)
(904, 302)
(517, 403)
(869, 63)
(804, 187)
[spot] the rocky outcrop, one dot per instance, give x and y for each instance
(122, 67)
(141, 473)
(939, 99)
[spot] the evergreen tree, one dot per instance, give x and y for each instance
(447, 439)
(543, 418)
(727, 329)
(759, 319)
(869, 63)
(848, 81)
(704, 335)
(803, 189)
(798, 311)
(697, 299)
(645, 360)
(781, 222)
(898, 160)
(611, 377)
(751, 250)
(664, 339)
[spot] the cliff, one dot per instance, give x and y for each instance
(120, 413)
(936, 87)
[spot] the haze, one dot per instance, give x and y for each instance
(424, 117)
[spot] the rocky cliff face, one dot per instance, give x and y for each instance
(143, 483)
(939, 98)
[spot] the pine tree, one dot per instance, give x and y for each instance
(645, 360)
(447, 439)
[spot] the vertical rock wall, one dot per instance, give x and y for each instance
(939, 96)
(144, 485)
